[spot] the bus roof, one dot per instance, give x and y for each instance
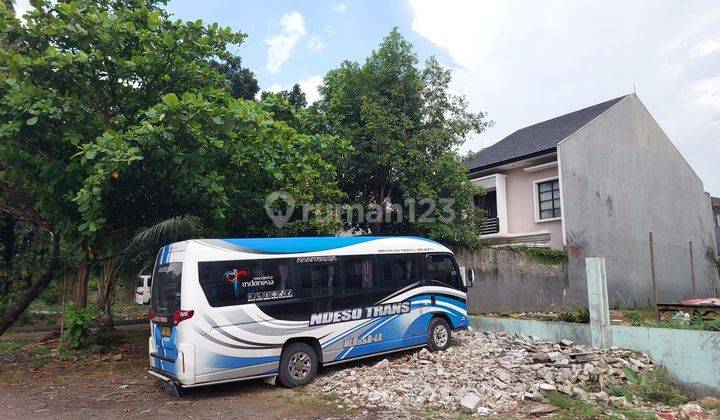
(219, 249)
(296, 245)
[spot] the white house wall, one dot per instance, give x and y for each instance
(623, 178)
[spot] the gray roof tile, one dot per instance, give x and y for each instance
(537, 138)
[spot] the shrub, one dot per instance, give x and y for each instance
(542, 255)
(656, 386)
(578, 316)
(77, 326)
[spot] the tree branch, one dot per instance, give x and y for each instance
(27, 215)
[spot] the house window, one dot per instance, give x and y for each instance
(548, 199)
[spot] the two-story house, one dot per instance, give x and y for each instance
(597, 181)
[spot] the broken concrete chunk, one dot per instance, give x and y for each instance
(602, 396)
(382, 363)
(691, 411)
(484, 411)
(542, 409)
(547, 387)
(469, 403)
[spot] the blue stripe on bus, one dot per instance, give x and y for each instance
(300, 244)
(167, 254)
(380, 328)
(350, 331)
(232, 362)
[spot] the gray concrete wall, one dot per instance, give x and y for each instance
(621, 178)
(693, 357)
(507, 281)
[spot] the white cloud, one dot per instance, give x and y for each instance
(274, 88)
(527, 62)
(708, 91)
(466, 35)
(706, 47)
(316, 44)
(310, 87)
(339, 7)
(281, 45)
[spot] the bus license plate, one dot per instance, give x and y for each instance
(165, 331)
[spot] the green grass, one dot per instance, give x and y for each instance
(579, 316)
(572, 407)
(645, 317)
(631, 413)
(656, 386)
(621, 391)
(328, 401)
(15, 357)
(7, 346)
(639, 316)
(700, 325)
(540, 254)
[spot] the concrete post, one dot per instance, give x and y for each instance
(598, 302)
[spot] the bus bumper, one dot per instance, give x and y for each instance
(170, 383)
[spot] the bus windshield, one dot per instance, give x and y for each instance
(165, 297)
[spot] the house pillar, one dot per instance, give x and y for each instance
(598, 302)
(502, 208)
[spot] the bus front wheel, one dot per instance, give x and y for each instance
(298, 365)
(439, 334)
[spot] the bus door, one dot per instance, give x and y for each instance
(442, 271)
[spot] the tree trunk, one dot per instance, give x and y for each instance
(81, 281)
(40, 285)
(376, 227)
(105, 303)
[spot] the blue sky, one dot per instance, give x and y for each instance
(520, 61)
(333, 31)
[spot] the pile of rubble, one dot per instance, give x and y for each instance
(483, 373)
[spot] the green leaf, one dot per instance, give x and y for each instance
(171, 100)
(32, 121)
(219, 120)
(631, 375)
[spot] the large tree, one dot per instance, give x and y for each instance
(243, 83)
(113, 116)
(404, 126)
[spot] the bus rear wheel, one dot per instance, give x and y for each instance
(439, 334)
(298, 365)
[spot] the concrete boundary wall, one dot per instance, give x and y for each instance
(693, 357)
(508, 281)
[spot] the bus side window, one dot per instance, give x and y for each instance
(399, 271)
(441, 268)
(319, 279)
(227, 283)
(358, 274)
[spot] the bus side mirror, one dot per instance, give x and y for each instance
(468, 276)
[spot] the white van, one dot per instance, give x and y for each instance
(143, 290)
(231, 309)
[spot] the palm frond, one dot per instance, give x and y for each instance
(148, 240)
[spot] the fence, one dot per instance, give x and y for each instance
(508, 281)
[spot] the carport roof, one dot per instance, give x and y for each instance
(536, 139)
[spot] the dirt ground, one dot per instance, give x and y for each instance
(35, 384)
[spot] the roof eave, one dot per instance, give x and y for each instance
(513, 160)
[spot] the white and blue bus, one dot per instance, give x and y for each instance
(232, 309)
